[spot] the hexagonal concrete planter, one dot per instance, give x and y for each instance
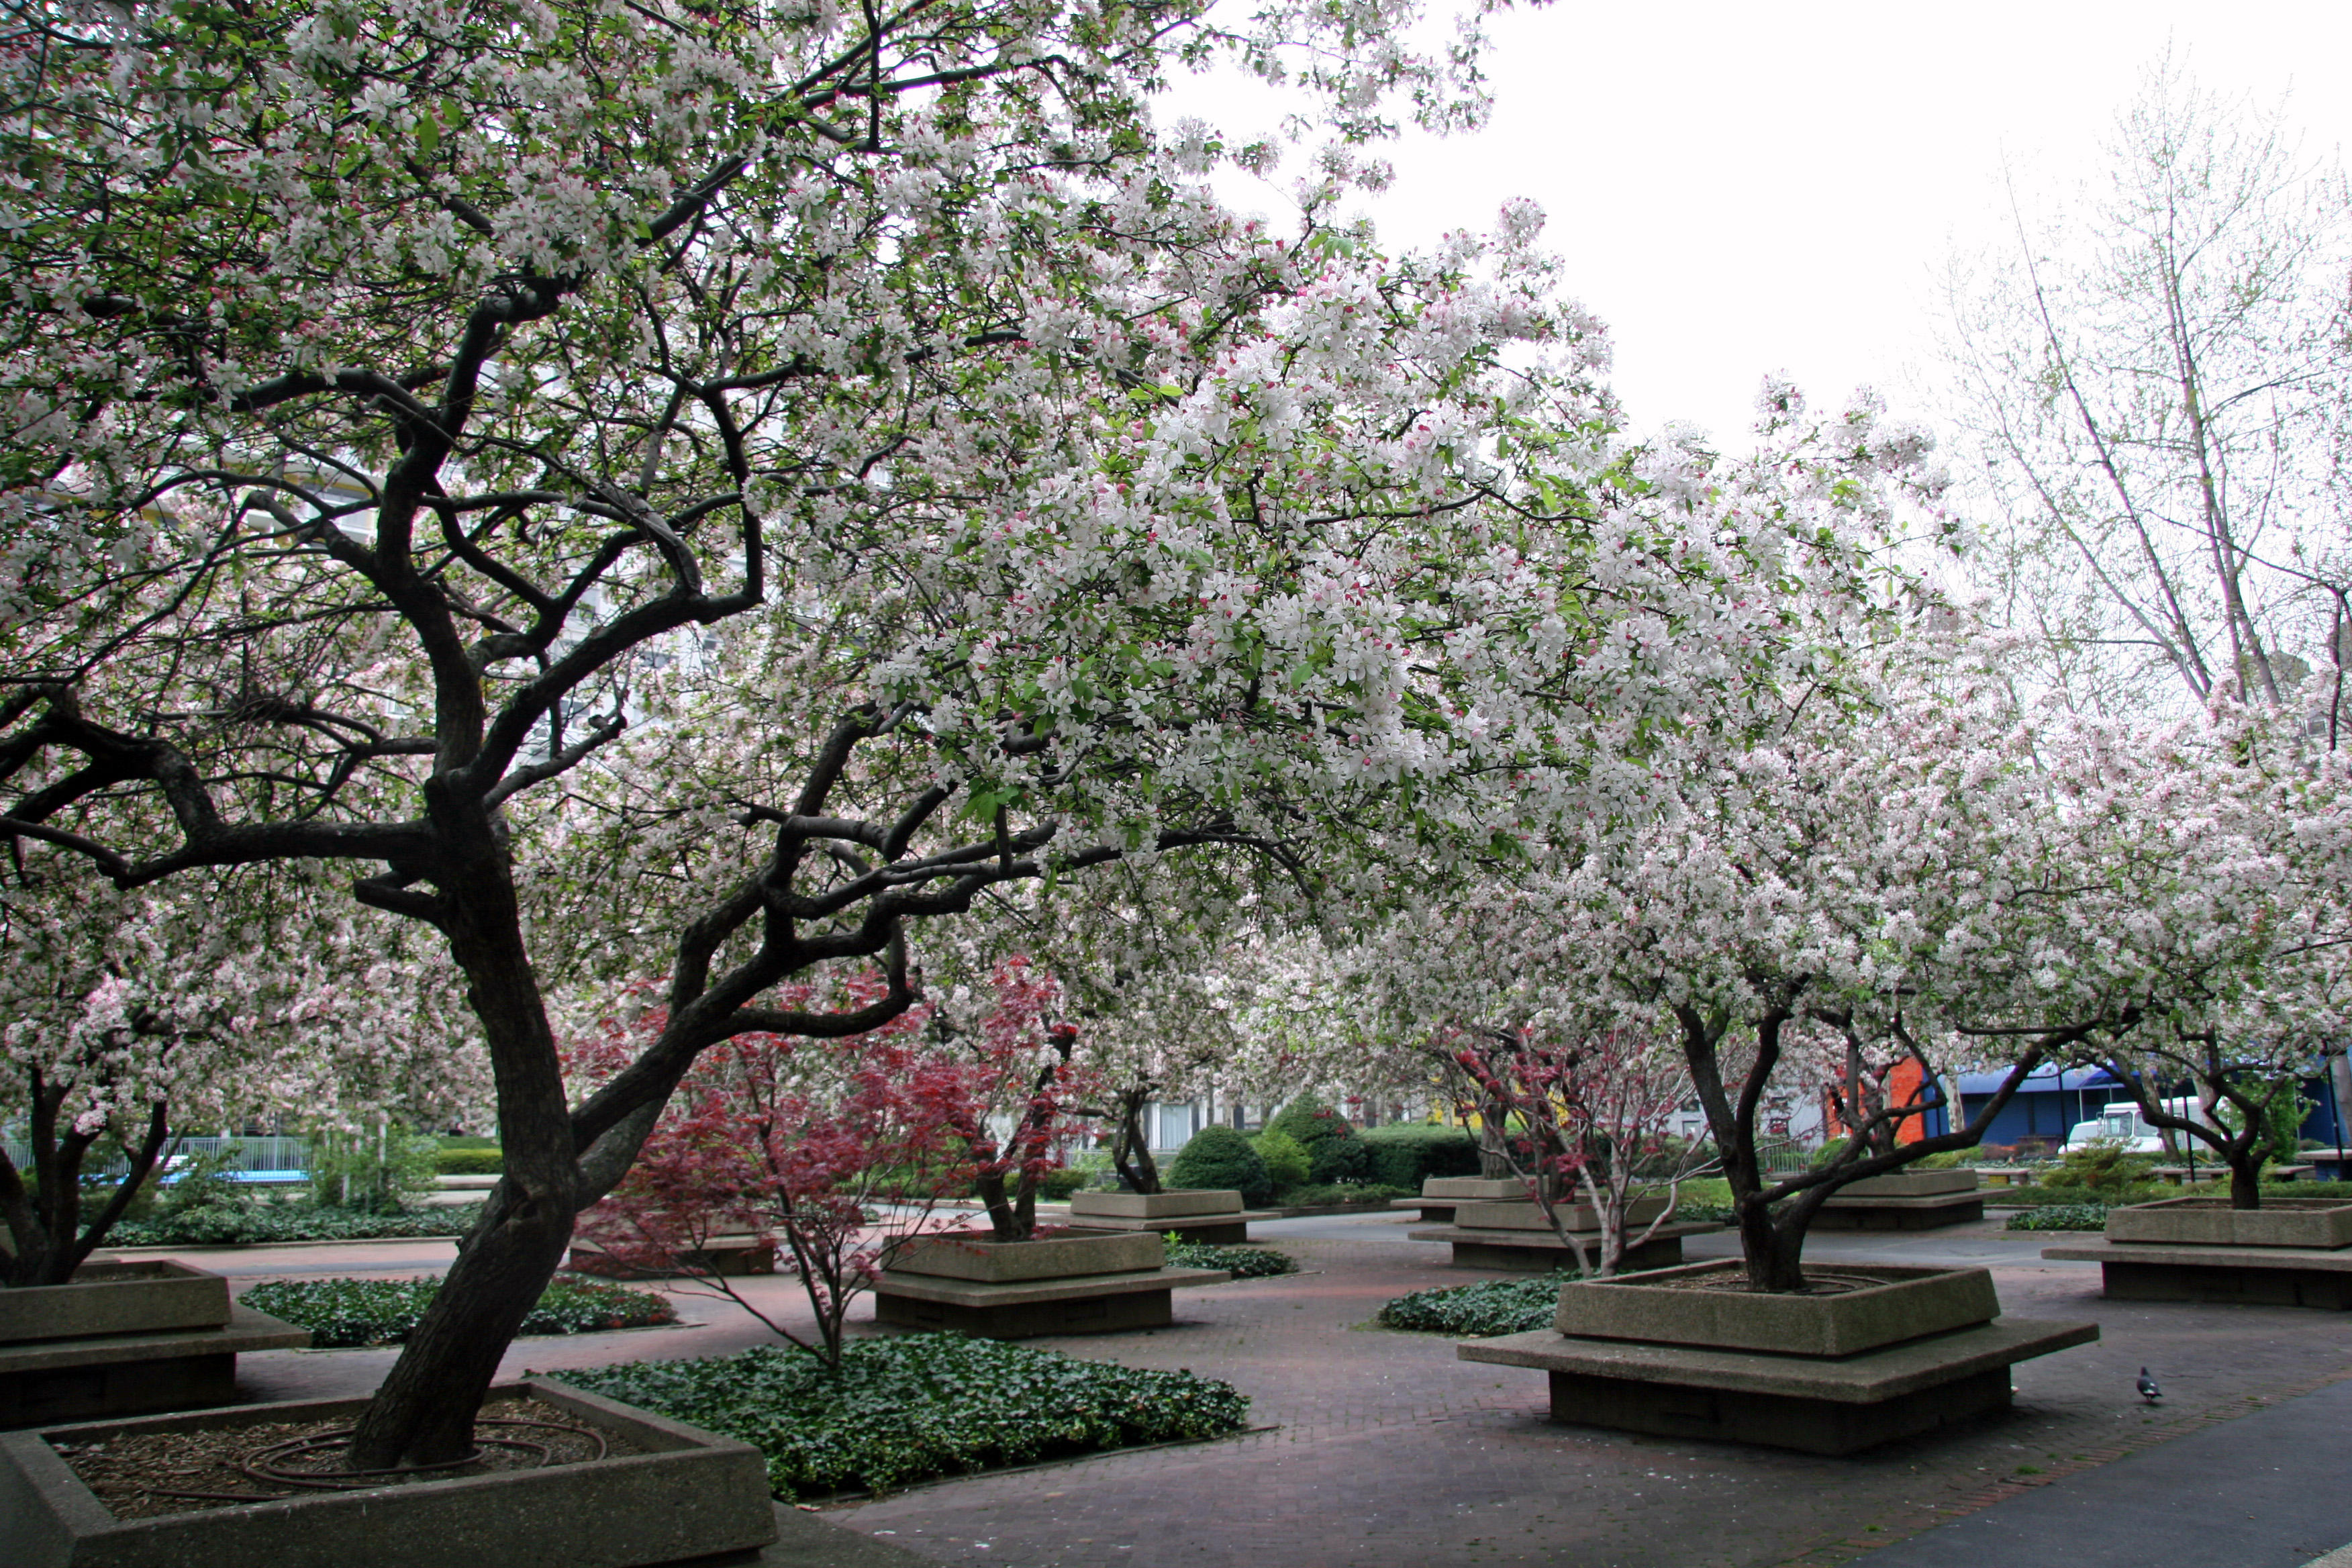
(1077, 1281)
(126, 1338)
(2321, 1223)
(2290, 1252)
(963, 1255)
(1529, 1214)
(1490, 1189)
(684, 1495)
(1878, 1352)
(1175, 1205)
(111, 1296)
(1709, 1304)
(1210, 1216)
(1906, 1200)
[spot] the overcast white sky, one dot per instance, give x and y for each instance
(1745, 187)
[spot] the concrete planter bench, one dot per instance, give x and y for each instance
(1209, 1214)
(126, 1338)
(1530, 1250)
(1441, 1195)
(2320, 1223)
(1906, 1200)
(732, 1255)
(104, 1297)
(1529, 1214)
(686, 1495)
(1079, 1281)
(2290, 1252)
(1879, 1352)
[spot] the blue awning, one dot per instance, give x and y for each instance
(2041, 1080)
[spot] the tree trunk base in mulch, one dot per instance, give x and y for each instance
(1541, 1252)
(667, 1493)
(1873, 1354)
(101, 1375)
(2219, 1275)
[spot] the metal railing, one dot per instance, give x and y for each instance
(248, 1155)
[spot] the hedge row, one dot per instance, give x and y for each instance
(1408, 1154)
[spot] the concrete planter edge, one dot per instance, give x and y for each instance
(692, 1495)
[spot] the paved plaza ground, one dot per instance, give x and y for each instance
(1380, 1447)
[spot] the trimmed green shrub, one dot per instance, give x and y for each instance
(343, 1314)
(1409, 1153)
(1334, 1153)
(1219, 1157)
(467, 1141)
(470, 1163)
(1286, 1164)
(2101, 1171)
(904, 1410)
(1352, 1192)
(1056, 1187)
(1242, 1262)
(1489, 1308)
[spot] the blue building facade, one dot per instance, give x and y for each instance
(2053, 1100)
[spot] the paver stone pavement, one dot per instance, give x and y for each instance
(1381, 1447)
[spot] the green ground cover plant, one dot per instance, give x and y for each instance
(249, 1225)
(1242, 1262)
(343, 1313)
(2060, 1216)
(905, 1410)
(1488, 1308)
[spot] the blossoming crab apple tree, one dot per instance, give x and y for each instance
(839, 1148)
(134, 1017)
(398, 392)
(1895, 872)
(2236, 824)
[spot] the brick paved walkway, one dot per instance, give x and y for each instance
(1387, 1449)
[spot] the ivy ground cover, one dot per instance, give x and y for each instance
(904, 1410)
(343, 1313)
(1481, 1310)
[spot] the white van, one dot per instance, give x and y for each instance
(2122, 1123)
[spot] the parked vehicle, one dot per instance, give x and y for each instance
(2123, 1123)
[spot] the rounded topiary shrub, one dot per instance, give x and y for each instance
(1286, 1163)
(1334, 1153)
(1219, 1157)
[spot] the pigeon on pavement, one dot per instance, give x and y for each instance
(2148, 1388)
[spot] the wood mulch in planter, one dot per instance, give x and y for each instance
(145, 1475)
